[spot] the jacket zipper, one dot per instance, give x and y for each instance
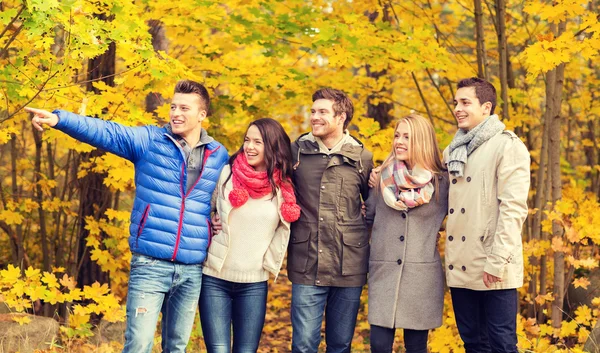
(185, 195)
(142, 224)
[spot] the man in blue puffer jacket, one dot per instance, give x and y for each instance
(176, 170)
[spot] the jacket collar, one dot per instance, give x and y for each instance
(349, 146)
(205, 139)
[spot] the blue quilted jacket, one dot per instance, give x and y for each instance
(166, 222)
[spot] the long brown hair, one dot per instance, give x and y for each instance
(278, 151)
(423, 148)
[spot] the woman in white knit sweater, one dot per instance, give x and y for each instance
(255, 202)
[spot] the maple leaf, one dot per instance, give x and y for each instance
(21, 319)
(581, 282)
(50, 280)
(68, 282)
(11, 275)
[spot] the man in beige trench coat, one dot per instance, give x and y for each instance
(489, 183)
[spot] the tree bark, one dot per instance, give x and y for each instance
(160, 43)
(95, 197)
(557, 229)
(540, 197)
(380, 112)
(503, 53)
(19, 249)
(480, 38)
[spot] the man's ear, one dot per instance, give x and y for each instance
(202, 115)
(487, 107)
(342, 118)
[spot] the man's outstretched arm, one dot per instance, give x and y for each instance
(124, 141)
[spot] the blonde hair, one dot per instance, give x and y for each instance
(422, 146)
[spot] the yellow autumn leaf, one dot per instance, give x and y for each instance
(568, 328)
(11, 217)
(68, 282)
(33, 274)
(583, 315)
(50, 280)
(581, 282)
(11, 275)
(21, 320)
(36, 292)
(541, 299)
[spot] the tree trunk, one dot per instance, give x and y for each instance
(95, 196)
(160, 43)
(380, 112)
(503, 53)
(480, 38)
(541, 196)
(19, 249)
(39, 197)
(557, 230)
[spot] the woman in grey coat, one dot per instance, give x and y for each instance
(406, 211)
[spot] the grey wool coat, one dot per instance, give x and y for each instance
(406, 277)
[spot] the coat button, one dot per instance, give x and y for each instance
(462, 210)
(294, 238)
(320, 250)
(403, 215)
(316, 150)
(402, 238)
(454, 181)
(481, 238)
(399, 261)
(468, 179)
(463, 268)
(451, 267)
(321, 219)
(318, 282)
(464, 238)
(451, 211)
(323, 187)
(450, 238)
(324, 156)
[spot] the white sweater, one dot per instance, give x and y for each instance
(253, 240)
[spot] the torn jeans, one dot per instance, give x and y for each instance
(161, 286)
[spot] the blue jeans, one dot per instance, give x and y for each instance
(160, 286)
(486, 320)
(340, 305)
(223, 304)
(382, 340)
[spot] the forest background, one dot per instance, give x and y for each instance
(64, 206)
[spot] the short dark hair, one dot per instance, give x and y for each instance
(341, 102)
(189, 86)
(484, 91)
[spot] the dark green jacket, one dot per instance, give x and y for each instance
(329, 244)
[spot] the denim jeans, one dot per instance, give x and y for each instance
(340, 305)
(382, 340)
(486, 320)
(223, 304)
(161, 286)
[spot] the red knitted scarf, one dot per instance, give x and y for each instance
(247, 182)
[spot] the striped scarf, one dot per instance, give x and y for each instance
(403, 189)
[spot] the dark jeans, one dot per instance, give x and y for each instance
(340, 305)
(382, 340)
(486, 320)
(224, 304)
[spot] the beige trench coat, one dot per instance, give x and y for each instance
(486, 211)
